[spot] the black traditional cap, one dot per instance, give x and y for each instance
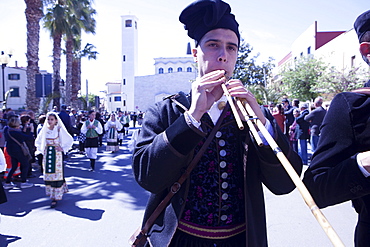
(362, 24)
(203, 16)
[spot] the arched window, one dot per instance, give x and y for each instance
(170, 70)
(160, 71)
(189, 69)
(179, 69)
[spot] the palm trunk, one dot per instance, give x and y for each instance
(33, 15)
(57, 50)
(76, 83)
(69, 64)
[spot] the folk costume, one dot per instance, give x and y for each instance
(92, 140)
(112, 128)
(334, 175)
(46, 143)
(222, 200)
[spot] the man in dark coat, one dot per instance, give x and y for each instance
(315, 119)
(64, 116)
(302, 132)
(221, 203)
(340, 168)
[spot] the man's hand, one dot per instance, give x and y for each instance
(237, 90)
(205, 91)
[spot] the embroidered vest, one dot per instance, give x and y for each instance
(216, 197)
(91, 133)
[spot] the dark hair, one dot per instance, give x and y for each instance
(14, 122)
(91, 111)
(54, 115)
(25, 118)
(42, 119)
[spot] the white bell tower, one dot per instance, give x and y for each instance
(129, 60)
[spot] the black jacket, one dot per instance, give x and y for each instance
(315, 119)
(166, 146)
(302, 127)
(333, 176)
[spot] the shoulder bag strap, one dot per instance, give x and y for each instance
(15, 140)
(177, 185)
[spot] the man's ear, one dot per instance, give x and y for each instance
(365, 49)
(195, 52)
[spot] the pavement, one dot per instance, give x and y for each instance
(103, 208)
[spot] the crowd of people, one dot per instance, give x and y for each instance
(26, 142)
(301, 123)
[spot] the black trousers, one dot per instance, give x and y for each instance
(25, 167)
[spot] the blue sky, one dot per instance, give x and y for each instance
(269, 26)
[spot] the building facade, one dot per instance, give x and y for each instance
(339, 49)
(136, 93)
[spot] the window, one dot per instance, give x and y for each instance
(128, 23)
(14, 77)
(117, 98)
(135, 25)
(124, 58)
(124, 81)
(189, 69)
(110, 99)
(160, 71)
(170, 70)
(124, 102)
(179, 69)
(14, 92)
(309, 50)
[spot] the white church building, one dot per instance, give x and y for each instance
(137, 93)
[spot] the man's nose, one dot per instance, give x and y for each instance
(222, 56)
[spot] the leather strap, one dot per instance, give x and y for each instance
(177, 185)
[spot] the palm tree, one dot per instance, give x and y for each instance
(33, 14)
(57, 24)
(80, 18)
(76, 68)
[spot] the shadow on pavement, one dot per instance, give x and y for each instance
(7, 239)
(112, 179)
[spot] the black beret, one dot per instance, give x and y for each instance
(362, 24)
(202, 16)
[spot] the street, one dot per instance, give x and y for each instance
(103, 208)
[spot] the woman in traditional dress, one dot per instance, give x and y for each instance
(112, 127)
(52, 141)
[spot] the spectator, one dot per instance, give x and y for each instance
(14, 138)
(278, 114)
(315, 119)
(28, 127)
(64, 116)
(292, 133)
(302, 133)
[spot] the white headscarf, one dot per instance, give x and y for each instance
(65, 138)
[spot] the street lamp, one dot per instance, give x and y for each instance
(4, 60)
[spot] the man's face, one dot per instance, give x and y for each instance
(217, 50)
